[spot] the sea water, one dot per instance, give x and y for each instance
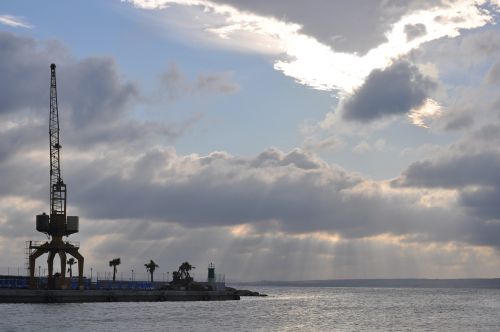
(285, 309)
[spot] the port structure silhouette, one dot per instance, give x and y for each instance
(57, 224)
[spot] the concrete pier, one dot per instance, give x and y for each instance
(118, 295)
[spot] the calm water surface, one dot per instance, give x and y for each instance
(286, 309)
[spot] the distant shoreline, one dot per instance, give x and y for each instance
(490, 283)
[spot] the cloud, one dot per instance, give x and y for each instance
(493, 76)
(248, 256)
(364, 146)
(135, 203)
(459, 122)
(456, 171)
(15, 21)
(91, 89)
(95, 99)
(425, 113)
(395, 90)
(96, 94)
(327, 22)
(21, 76)
(178, 85)
(138, 198)
(331, 142)
(291, 193)
(315, 45)
(469, 167)
(471, 161)
(414, 31)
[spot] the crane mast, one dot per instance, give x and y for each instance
(57, 185)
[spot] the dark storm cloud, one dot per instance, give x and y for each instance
(394, 90)
(347, 26)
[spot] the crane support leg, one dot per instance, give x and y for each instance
(43, 249)
(74, 252)
(62, 256)
(50, 265)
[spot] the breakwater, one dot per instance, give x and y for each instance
(118, 295)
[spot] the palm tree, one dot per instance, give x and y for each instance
(151, 267)
(114, 263)
(70, 262)
(184, 271)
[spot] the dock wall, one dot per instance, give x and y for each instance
(82, 296)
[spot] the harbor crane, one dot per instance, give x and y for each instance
(57, 224)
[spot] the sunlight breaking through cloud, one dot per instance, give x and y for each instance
(423, 115)
(317, 65)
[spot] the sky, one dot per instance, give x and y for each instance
(280, 140)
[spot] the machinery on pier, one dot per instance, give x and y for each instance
(57, 224)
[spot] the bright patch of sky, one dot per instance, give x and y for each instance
(428, 111)
(315, 64)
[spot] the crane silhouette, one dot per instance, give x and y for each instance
(57, 224)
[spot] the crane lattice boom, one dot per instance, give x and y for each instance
(57, 185)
